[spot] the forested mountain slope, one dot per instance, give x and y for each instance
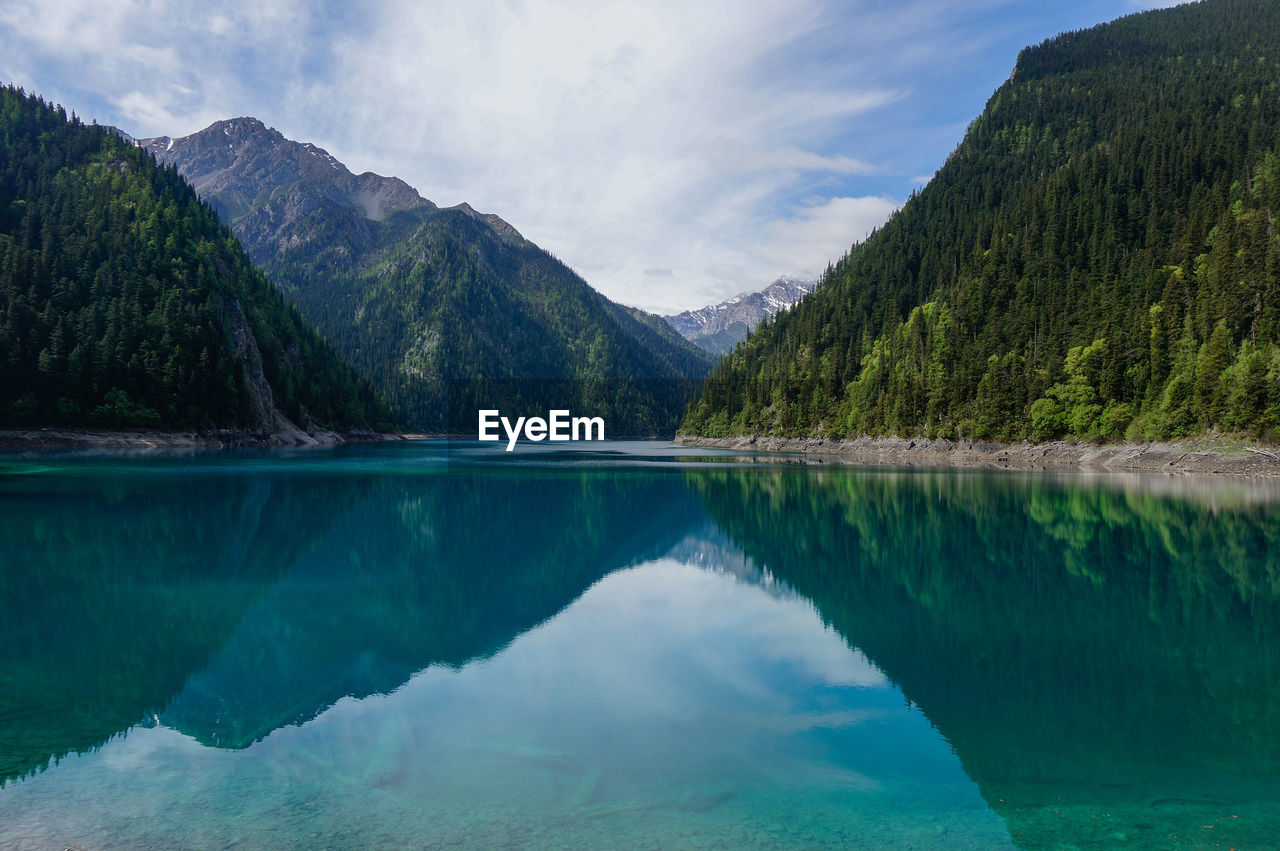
(1097, 259)
(435, 305)
(124, 302)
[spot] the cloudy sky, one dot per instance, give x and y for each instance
(673, 153)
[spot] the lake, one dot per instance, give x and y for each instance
(424, 644)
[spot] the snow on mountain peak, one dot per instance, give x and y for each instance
(719, 327)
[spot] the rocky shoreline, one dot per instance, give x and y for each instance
(80, 439)
(1209, 456)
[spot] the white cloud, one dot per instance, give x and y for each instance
(826, 230)
(624, 137)
(710, 139)
(161, 66)
(163, 108)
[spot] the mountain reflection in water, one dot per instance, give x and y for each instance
(1102, 656)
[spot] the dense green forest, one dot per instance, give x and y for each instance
(446, 310)
(1098, 259)
(124, 302)
(448, 315)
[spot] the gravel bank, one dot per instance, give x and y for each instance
(76, 439)
(1217, 456)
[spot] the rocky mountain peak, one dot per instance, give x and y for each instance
(262, 182)
(717, 328)
(501, 226)
(243, 127)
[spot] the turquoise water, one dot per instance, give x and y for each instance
(429, 644)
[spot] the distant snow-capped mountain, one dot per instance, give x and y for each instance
(719, 327)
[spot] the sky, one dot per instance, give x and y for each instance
(674, 154)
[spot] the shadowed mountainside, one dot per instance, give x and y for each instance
(124, 303)
(420, 298)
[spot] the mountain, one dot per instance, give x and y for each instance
(445, 309)
(125, 303)
(719, 327)
(1097, 259)
(269, 187)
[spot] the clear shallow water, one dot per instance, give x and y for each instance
(421, 645)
